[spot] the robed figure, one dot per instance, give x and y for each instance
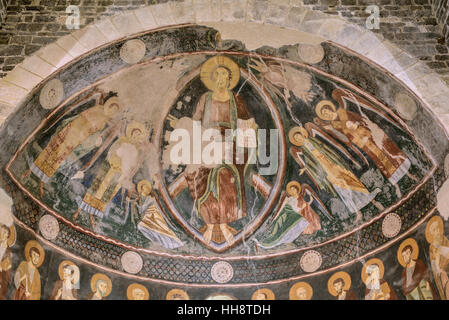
(329, 171)
(67, 287)
(416, 281)
(219, 192)
(356, 130)
(7, 237)
(376, 287)
(116, 172)
(149, 218)
(439, 255)
(27, 278)
(70, 136)
(296, 216)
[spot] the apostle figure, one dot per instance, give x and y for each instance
(137, 291)
(219, 191)
(295, 216)
(177, 294)
(439, 255)
(301, 291)
(70, 135)
(67, 287)
(101, 287)
(152, 223)
(7, 238)
(329, 172)
(416, 283)
(27, 278)
(123, 159)
(376, 287)
(356, 130)
(339, 285)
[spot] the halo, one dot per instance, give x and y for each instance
(208, 68)
(76, 274)
(295, 130)
(411, 242)
(369, 263)
(432, 220)
(142, 183)
(267, 292)
(341, 274)
(133, 286)
(321, 105)
(180, 292)
(292, 184)
(135, 125)
(297, 285)
(12, 235)
(100, 276)
(34, 244)
(107, 105)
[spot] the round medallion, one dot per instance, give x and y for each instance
(405, 106)
(310, 261)
(51, 94)
(311, 53)
(49, 227)
(132, 51)
(391, 225)
(132, 262)
(222, 272)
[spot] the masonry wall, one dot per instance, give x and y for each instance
(411, 24)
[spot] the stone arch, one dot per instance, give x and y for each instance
(291, 20)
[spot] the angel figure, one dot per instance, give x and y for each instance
(122, 161)
(295, 216)
(357, 131)
(152, 222)
(75, 137)
(328, 170)
(283, 79)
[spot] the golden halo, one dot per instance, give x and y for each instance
(295, 130)
(369, 263)
(298, 285)
(142, 183)
(12, 235)
(100, 276)
(338, 275)
(220, 296)
(431, 221)
(411, 242)
(132, 286)
(292, 184)
(208, 68)
(108, 104)
(267, 292)
(76, 274)
(177, 292)
(319, 108)
(135, 125)
(34, 244)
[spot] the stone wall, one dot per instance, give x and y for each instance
(411, 24)
(441, 12)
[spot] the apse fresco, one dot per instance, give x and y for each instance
(204, 165)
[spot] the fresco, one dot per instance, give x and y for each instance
(200, 170)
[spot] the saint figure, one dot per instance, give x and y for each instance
(219, 192)
(101, 287)
(7, 238)
(439, 255)
(339, 285)
(329, 172)
(27, 278)
(67, 287)
(416, 283)
(376, 287)
(356, 130)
